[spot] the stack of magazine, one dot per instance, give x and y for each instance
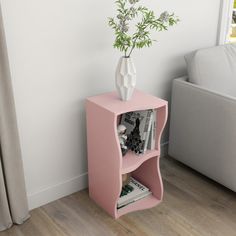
(140, 130)
(132, 192)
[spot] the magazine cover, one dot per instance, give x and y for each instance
(138, 192)
(138, 125)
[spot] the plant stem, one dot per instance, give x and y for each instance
(132, 47)
(135, 40)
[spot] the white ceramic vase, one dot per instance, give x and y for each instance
(125, 78)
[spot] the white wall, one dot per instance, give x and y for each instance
(61, 52)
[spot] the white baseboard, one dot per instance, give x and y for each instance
(68, 187)
(57, 191)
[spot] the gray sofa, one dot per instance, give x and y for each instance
(203, 114)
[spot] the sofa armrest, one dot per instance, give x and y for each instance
(183, 82)
(203, 131)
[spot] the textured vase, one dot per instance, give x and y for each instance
(125, 78)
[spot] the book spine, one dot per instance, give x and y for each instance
(149, 121)
(149, 146)
(154, 125)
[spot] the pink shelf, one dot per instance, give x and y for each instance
(131, 161)
(142, 204)
(105, 162)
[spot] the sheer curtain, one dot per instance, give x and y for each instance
(13, 201)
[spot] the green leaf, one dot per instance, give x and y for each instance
(142, 36)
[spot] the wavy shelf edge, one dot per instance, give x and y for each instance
(131, 161)
(145, 203)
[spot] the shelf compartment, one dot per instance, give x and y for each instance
(132, 161)
(147, 202)
(148, 174)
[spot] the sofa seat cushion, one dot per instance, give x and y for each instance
(214, 68)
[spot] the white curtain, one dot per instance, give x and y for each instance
(13, 201)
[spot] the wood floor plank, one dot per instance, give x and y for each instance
(215, 203)
(193, 206)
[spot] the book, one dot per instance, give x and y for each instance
(152, 136)
(149, 123)
(135, 200)
(154, 130)
(138, 124)
(138, 192)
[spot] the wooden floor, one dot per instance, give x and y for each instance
(193, 205)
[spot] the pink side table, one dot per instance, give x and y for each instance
(105, 162)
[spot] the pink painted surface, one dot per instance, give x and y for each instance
(131, 161)
(139, 101)
(149, 174)
(142, 204)
(162, 114)
(105, 162)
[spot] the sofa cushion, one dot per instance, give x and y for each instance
(214, 68)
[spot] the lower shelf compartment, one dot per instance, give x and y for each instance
(147, 202)
(147, 174)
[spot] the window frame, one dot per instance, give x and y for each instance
(225, 21)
